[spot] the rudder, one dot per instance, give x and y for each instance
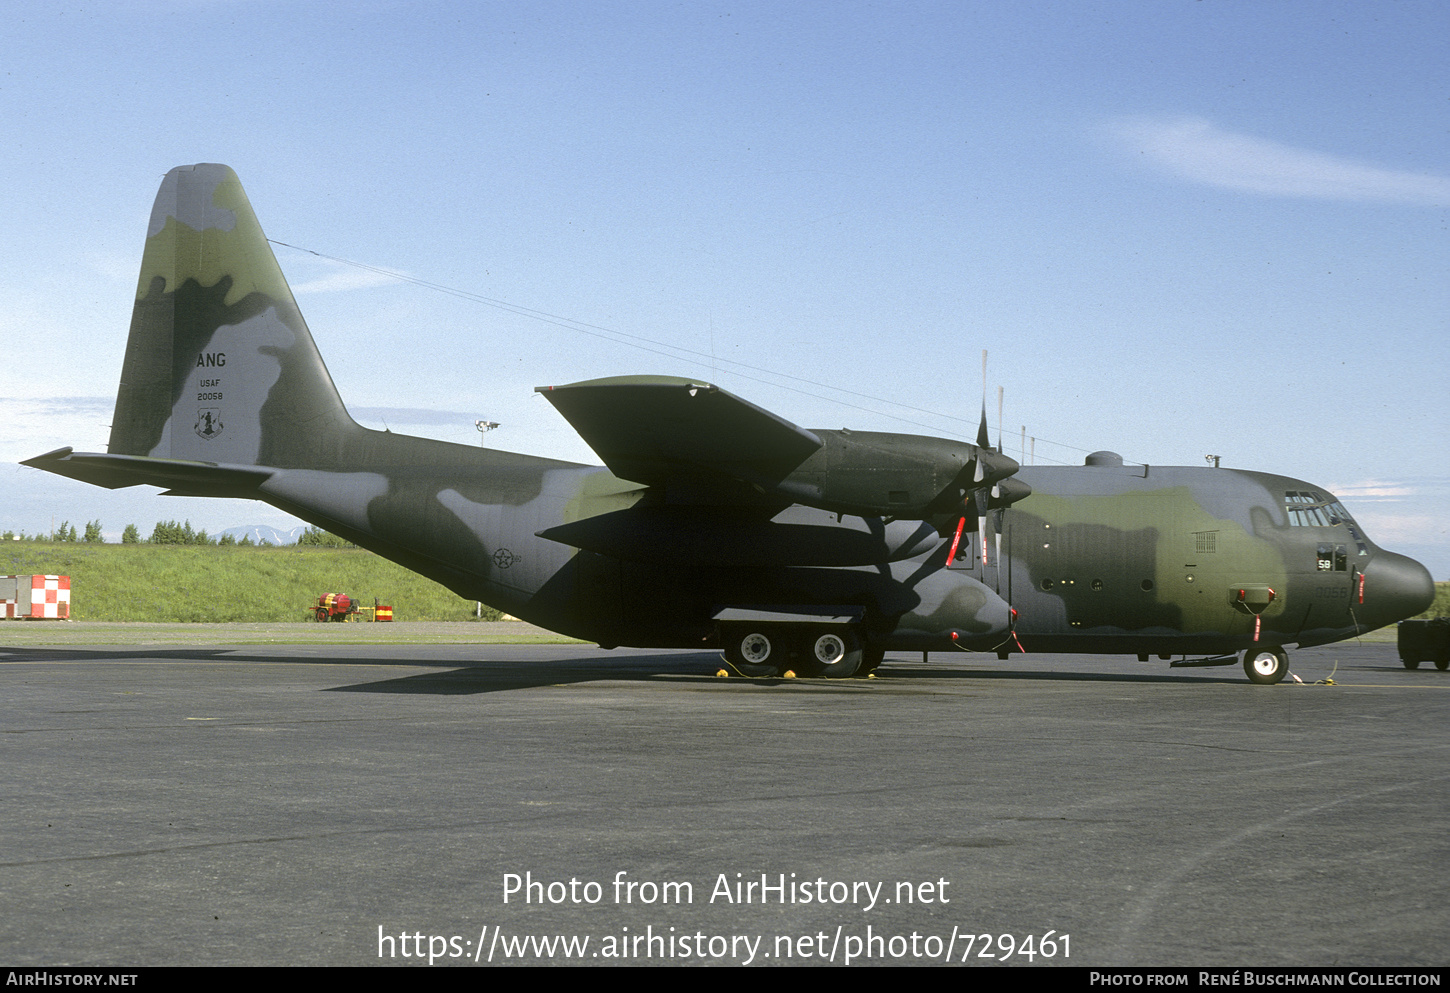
(220, 366)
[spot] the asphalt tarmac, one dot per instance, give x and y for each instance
(356, 805)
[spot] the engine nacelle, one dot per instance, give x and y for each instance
(897, 475)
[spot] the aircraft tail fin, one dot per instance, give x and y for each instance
(220, 366)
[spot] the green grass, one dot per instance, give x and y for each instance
(190, 583)
(1441, 606)
(18, 634)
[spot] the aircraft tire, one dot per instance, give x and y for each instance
(870, 659)
(1442, 664)
(1411, 664)
(751, 651)
(1265, 666)
(835, 654)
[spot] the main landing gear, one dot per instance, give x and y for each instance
(817, 650)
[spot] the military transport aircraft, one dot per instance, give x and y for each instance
(718, 523)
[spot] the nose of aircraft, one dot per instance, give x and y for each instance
(1396, 587)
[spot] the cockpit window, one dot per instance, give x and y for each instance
(1309, 509)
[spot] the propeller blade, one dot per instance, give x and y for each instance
(983, 440)
(1001, 447)
(979, 502)
(997, 536)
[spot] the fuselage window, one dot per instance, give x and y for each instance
(1331, 557)
(1358, 538)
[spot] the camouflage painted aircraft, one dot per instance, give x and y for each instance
(718, 523)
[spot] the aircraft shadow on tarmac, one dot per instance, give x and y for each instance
(492, 677)
(481, 674)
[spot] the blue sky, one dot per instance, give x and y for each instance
(1180, 228)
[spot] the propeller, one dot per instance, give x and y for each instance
(985, 483)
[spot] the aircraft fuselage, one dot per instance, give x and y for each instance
(1107, 558)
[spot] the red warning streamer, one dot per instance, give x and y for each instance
(956, 540)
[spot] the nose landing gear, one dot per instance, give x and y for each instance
(1265, 666)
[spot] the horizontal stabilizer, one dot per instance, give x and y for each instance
(651, 428)
(177, 476)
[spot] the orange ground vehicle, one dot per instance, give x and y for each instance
(334, 607)
(341, 607)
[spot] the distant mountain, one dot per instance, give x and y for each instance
(265, 532)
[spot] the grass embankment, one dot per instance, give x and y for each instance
(189, 583)
(1441, 606)
(35, 634)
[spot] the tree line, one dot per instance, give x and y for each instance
(171, 533)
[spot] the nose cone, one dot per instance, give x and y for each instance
(1396, 587)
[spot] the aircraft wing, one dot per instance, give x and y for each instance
(651, 429)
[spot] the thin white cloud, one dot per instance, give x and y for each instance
(56, 406)
(1374, 489)
(41, 424)
(117, 268)
(412, 415)
(1198, 150)
(1390, 530)
(346, 279)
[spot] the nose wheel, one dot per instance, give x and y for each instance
(1265, 666)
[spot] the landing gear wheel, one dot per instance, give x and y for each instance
(835, 654)
(1265, 666)
(1414, 663)
(755, 648)
(870, 659)
(1442, 664)
(750, 652)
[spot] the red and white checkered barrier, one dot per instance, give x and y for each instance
(36, 598)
